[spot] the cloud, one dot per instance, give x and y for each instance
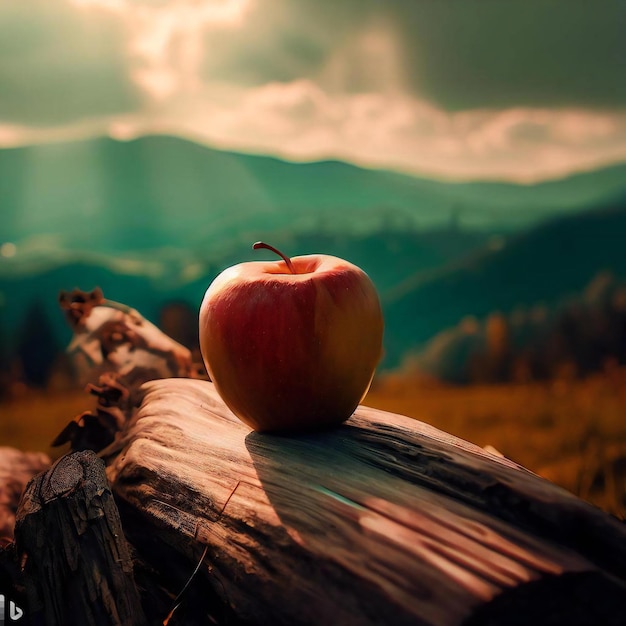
(531, 53)
(164, 44)
(57, 64)
(301, 81)
(300, 121)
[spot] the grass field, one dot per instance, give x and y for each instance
(32, 419)
(573, 433)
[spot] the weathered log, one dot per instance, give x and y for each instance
(114, 349)
(383, 520)
(77, 567)
(16, 469)
(112, 337)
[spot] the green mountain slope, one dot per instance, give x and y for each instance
(148, 284)
(543, 265)
(156, 218)
(105, 195)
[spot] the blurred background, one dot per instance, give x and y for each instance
(471, 157)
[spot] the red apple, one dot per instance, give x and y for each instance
(291, 345)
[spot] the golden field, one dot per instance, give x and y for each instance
(31, 419)
(571, 432)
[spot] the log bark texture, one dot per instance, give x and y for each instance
(77, 567)
(114, 349)
(16, 470)
(384, 520)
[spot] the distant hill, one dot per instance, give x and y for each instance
(543, 265)
(148, 283)
(163, 193)
(583, 334)
(155, 219)
(429, 281)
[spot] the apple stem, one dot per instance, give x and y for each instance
(261, 244)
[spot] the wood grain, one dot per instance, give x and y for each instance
(383, 520)
(76, 563)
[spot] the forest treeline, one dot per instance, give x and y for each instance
(584, 334)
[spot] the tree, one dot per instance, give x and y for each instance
(37, 346)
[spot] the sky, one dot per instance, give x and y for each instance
(522, 90)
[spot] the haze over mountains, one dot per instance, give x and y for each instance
(152, 192)
(155, 219)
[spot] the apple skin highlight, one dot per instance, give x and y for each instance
(292, 352)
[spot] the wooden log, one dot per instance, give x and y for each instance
(76, 564)
(16, 470)
(383, 520)
(114, 349)
(112, 337)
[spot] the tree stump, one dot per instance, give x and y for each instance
(16, 469)
(76, 564)
(384, 520)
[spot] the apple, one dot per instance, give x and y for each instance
(291, 345)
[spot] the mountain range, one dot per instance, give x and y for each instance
(168, 196)
(153, 220)
(428, 281)
(387, 256)
(542, 266)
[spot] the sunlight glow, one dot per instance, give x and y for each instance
(166, 42)
(214, 11)
(8, 250)
(357, 105)
(369, 61)
(299, 121)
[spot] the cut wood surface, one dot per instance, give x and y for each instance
(384, 520)
(76, 563)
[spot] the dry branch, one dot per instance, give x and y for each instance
(114, 349)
